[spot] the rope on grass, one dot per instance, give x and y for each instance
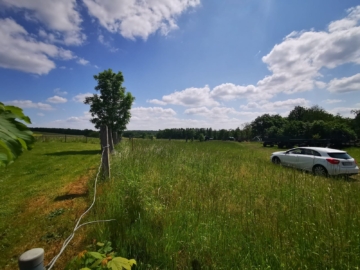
(78, 225)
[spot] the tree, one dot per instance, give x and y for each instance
(112, 106)
(14, 135)
(297, 114)
(356, 122)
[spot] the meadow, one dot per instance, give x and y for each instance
(224, 205)
(41, 196)
(177, 205)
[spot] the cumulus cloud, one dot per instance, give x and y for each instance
(56, 99)
(61, 17)
(156, 101)
(18, 50)
(28, 104)
(192, 97)
(81, 97)
(277, 105)
(346, 84)
(297, 61)
(344, 111)
(82, 61)
(134, 18)
(229, 91)
(152, 111)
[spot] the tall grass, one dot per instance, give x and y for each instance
(224, 205)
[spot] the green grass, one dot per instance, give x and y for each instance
(41, 196)
(224, 205)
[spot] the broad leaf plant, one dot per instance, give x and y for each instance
(15, 137)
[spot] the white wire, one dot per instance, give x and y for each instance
(77, 226)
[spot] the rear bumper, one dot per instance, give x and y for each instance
(344, 171)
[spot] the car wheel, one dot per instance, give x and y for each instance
(320, 171)
(276, 160)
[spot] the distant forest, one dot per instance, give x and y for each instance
(308, 123)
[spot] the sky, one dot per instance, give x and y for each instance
(189, 63)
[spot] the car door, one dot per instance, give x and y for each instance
(305, 160)
(290, 157)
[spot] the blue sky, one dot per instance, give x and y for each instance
(189, 63)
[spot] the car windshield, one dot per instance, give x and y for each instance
(340, 155)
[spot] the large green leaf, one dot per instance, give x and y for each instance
(14, 135)
(119, 263)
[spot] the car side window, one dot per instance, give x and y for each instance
(315, 153)
(308, 152)
(295, 152)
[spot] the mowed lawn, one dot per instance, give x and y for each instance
(41, 195)
(224, 205)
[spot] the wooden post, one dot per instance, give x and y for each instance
(104, 140)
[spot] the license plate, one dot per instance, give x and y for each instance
(347, 163)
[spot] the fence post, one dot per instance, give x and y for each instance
(104, 140)
(32, 259)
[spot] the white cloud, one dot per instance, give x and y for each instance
(81, 97)
(297, 61)
(138, 18)
(344, 111)
(192, 97)
(56, 99)
(82, 61)
(59, 16)
(59, 92)
(332, 101)
(277, 105)
(18, 50)
(229, 91)
(156, 101)
(152, 111)
(346, 84)
(28, 104)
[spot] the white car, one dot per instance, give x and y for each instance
(319, 160)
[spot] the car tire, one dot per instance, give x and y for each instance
(319, 170)
(276, 160)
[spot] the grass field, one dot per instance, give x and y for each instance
(224, 205)
(41, 196)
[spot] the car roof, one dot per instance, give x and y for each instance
(324, 149)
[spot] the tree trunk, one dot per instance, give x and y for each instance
(115, 138)
(104, 140)
(110, 140)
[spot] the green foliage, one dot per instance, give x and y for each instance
(265, 121)
(14, 135)
(112, 106)
(103, 258)
(201, 137)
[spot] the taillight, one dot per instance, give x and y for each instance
(333, 161)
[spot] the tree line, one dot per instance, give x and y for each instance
(67, 131)
(302, 122)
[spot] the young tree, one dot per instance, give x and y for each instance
(14, 135)
(112, 106)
